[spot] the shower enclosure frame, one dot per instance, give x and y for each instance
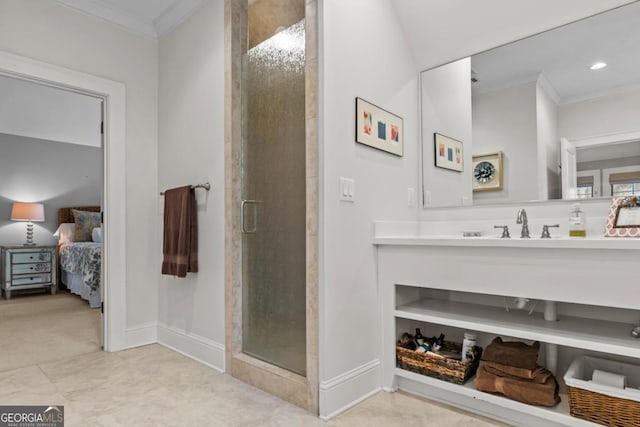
(299, 390)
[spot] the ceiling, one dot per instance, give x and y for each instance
(151, 18)
(563, 57)
(438, 32)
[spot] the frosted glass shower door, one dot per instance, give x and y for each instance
(274, 207)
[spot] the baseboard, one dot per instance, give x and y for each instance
(201, 349)
(348, 389)
(141, 335)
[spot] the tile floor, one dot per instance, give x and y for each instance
(155, 386)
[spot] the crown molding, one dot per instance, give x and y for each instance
(600, 94)
(113, 15)
(548, 88)
(502, 85)
(175, 15)
(161, 26)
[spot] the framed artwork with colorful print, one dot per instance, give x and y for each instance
(448, 153)
(379, 128)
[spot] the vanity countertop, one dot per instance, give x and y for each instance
(421, 234)
(514, 242)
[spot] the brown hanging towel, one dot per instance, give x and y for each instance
(180, 242)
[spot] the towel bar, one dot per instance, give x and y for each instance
(206, 186)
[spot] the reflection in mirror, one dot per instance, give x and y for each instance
(565, 130)
(617, 165)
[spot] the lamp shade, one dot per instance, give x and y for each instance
(27, 212)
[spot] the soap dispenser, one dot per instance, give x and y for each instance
(577, 222)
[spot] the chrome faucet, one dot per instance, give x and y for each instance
(522, 219)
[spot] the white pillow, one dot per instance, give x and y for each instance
(96, 234)
(65, 232)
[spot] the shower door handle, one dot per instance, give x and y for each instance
(243, 221)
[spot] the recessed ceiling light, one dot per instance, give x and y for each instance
(598, 66)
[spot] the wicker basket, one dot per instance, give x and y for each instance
(447, 369)
(603, 405)
(602, 409)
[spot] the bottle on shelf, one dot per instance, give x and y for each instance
(467, 346)
(406, 340)
(424, 348)
(577, 222)
(437, 345)
(418, 337)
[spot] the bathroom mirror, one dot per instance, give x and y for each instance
(565, 126)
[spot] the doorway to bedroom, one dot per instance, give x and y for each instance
(51, 197)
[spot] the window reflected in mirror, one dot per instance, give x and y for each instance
(608, 170)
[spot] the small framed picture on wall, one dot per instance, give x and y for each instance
(379, 128)
(487, 172)
(624, 217)
(448, 153)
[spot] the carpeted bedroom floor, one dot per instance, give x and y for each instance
(50, 355)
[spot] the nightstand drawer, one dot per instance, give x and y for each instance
(17, 258)
(41, 267)
(30, 279)
(28, 267)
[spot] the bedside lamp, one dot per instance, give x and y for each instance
(28, 212)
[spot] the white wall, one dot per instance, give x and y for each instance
(362, 53)
(191, 150)
(605, 115)
(446, 109)
(64, 175)
(50, 32)
(505, 120)
(44, 112)
(549, 185)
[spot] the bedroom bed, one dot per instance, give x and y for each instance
(79, 261)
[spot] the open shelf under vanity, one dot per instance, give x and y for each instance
(435, 314)
(452, 312)
(474, 290)
(592, 334)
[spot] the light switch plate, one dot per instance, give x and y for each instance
(411, 196)
(427, 198)
(347, 189)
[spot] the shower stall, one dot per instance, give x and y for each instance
(273, 203)
(271, 226)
